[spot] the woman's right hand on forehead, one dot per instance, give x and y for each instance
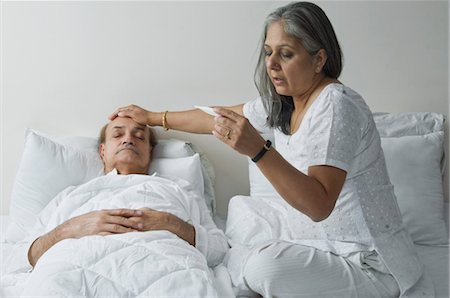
(134, 112)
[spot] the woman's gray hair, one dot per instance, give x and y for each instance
(309, 24)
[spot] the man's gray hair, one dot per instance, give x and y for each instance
(309, 24)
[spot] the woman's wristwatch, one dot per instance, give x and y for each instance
(263, 151)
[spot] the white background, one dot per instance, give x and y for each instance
(67, 65)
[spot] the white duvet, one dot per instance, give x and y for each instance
(155, 263)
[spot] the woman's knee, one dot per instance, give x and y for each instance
(263, 270)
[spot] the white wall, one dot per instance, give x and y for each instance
(67, 65)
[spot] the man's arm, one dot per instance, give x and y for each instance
(41, 245)
(103, 222)
(181, 228)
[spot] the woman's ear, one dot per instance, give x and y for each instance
(320, 60)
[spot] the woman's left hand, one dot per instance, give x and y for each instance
(237, 132)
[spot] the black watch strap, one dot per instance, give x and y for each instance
(263, 151)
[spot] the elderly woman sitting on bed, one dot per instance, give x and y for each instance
(164, 237)
(335, 229)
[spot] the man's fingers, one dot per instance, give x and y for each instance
(146, 209)
(124, 212)
(118, 229)
(127, 222)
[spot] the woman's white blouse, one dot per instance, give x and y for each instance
(338, 130)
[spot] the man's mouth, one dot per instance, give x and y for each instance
(128, 148)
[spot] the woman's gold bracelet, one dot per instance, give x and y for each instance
(164, 122)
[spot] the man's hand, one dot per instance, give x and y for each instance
(103, 222)
(151, 220)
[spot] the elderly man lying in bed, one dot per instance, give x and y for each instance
(160, 241)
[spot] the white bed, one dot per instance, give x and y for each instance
(413, 146)
(50, 164)
(435, 259)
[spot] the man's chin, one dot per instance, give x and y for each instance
(129, 159)
(130, 167)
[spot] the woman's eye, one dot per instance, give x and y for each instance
(267, 53)
(286, 55)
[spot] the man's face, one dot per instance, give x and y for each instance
(127, 147)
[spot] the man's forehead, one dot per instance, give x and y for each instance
(118, 124)
(139, 127)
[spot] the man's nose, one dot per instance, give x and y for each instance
(128, 139)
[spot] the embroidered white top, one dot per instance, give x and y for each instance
(338, 130)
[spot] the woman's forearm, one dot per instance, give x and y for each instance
(303, 192)
(194, 121)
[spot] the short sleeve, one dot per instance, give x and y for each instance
(256, 114)
(335, 131)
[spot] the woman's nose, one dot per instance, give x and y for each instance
(272, 63)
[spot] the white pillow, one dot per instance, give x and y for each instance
(401, 124)
(187, 168)
(47, 167)
(413, 148)
(413, 143)
(172, 148)
(413, 164)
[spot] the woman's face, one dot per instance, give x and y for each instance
(290, 67)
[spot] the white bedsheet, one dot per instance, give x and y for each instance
(436, 260)
(13, 285)
(173, 267)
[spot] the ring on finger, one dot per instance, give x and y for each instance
(228, 134)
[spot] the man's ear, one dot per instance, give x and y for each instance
(151, 153)
(101, 150)
(320, 60)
